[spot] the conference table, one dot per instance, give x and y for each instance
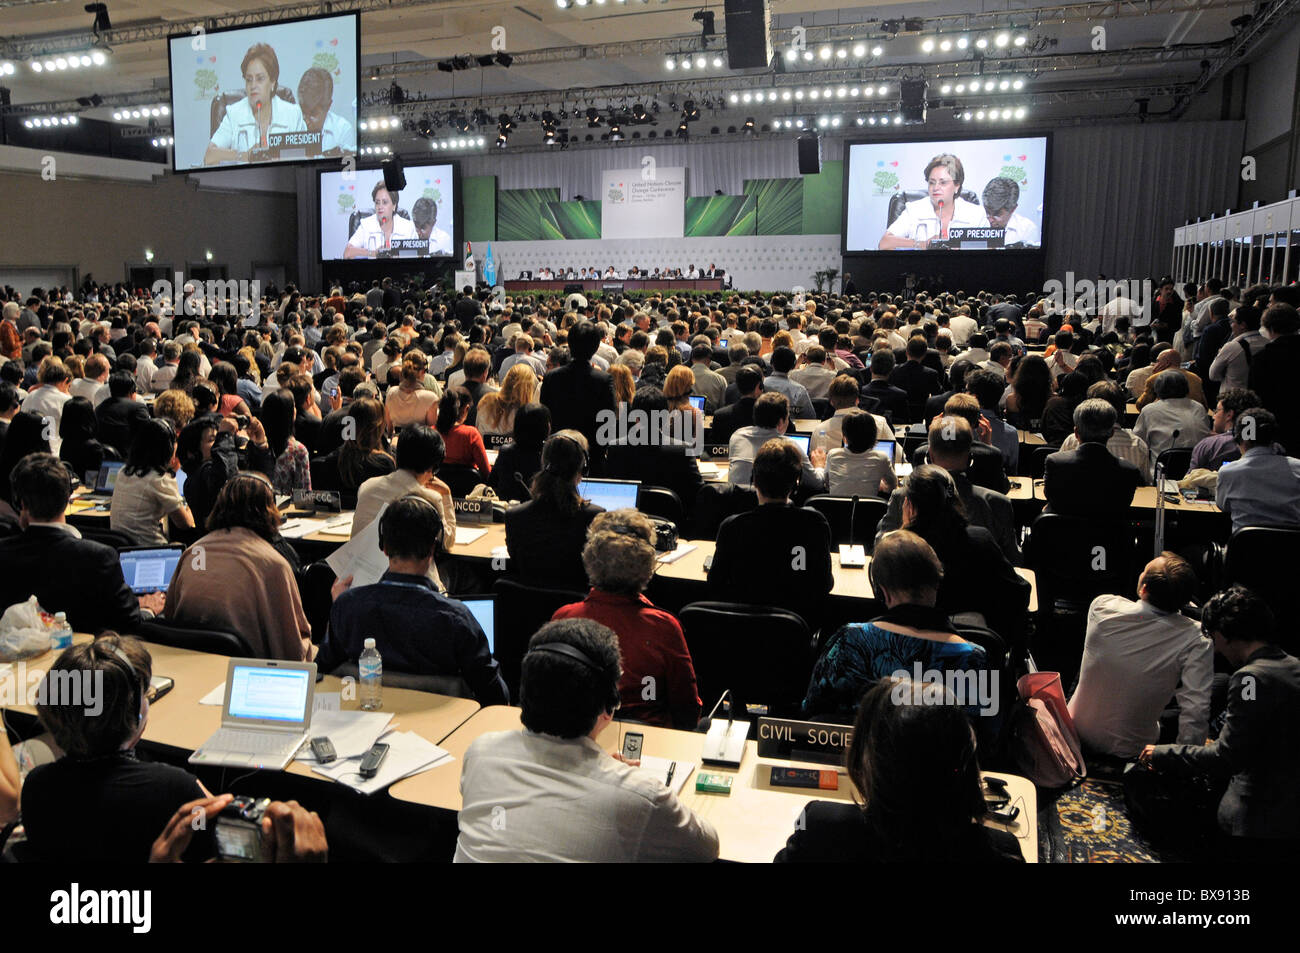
(616, 284)
(752, 822)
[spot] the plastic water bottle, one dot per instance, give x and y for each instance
(371, 668)
(61, 633)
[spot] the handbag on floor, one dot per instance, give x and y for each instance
(1044, 742)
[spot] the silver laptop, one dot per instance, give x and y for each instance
(266, 715)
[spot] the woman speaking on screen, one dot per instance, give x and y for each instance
(377, 231)
(249, 121)
(928, 219)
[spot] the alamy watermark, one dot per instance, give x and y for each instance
(56, 687)
(1090, 296)
(974, 688)
(651, 428)
(212, 297)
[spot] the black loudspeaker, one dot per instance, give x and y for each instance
(913, 91)
(749, 29)
(810, 155)
(394, 175)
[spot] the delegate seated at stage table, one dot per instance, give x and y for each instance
(565, 798)
(620, 560)
(417, 630)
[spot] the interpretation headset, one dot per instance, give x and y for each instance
(117, 658)
(613, 702)
(386, 520)
(552, 469)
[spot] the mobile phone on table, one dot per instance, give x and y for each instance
(632, 745)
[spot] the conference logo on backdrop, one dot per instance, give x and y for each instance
(1016, 173)
(617, 194)
(347, 200)
(885, 179)
(205, 78)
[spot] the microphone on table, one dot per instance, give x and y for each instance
(943, 232)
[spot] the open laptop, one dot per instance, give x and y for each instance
(890, 448)
(106, 478)
(484, 610)
(697, 401)
(801, 440)
(610, 495)
(149, 568)
(265, 717)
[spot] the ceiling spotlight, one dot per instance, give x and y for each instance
(86, 60)
(1001, 40)
(859, 50)
(988, 86)
(785, 95)
(945, 45)
(841, 53)
(791, 55)
(877, 50)
(36, 66)
(639, 113)
(689, 111)
(861, 120)
(98, 58)
(980, 114)
(946, 88)
(61, 63)
(1006, 114)
(982, 43)
(1018, 84)
(615, 132)
(1020, 40)
(670, 64)
(593, 116)
(882, 90)
(927, 46)
(148, 254)
(686, 63)
(835, 121)
(814, 94)
(717, 62)
(1004, 85)
(898, 120)
(808, 55)
(798, 94)
(966, 115)
(823, 122)
(962, 42)
(1020, 113)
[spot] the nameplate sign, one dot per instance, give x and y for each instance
(292, 140)
(976, 234)
(409, 244)
(790, 740)
(495, 441)
(472, 511)
(713, 450)
(327, 501)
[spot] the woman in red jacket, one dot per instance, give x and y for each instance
(464, 443)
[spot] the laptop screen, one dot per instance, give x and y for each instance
(800, 440)
(697, 402)
(610, 494)
(270, 694)
(149, 570)
(181, 477)
(107, 478)
(484, 612)
(887, 447)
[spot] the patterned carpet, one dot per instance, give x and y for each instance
(1087, 824)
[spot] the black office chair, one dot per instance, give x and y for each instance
(1175, 463)
(109, 537)
(314, 585)
(452, 685)
(1038, 461)
(521, 611)
(899, 201)
(1074, 560)
(216, 641)
(763, 654)
(1263, 558)
(714, 503)
(852, 519)
(461, 479)
(661, 502)
(822, 408)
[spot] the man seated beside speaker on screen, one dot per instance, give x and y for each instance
(1001, 196)
(315, 97)
(249, 121)
(424, 216)
(378, 230)
(928, 219)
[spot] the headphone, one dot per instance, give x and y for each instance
(552, 469)
(613, 702)
(133, 678)
(386, 520)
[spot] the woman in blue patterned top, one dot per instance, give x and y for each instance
(905, 575)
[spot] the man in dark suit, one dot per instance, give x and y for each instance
(1090, 481)
(120, 416)
(1258, 748)
(920, 382)
(778, 554)
(577, 393)
(749, 385)
(892, 400)
(51, 561)
(1272, 370)
(652, 459)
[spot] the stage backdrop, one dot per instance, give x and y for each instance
(649, 202)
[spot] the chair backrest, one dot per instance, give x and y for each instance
(1263, 558)
(761, 653)
(452, 685)
(521, 611)
(461, 479)
(109, 537)
(822, 408)
(1038, 461)
(314, 585)
(899, 201)
(1175, 463)
(215, 641)
(851, 522)
(661, 502)
(714, 503)
(1075, 559)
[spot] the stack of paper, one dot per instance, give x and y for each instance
(681, 550)
(298, 528)
(351, 732)
(408, 754)
(466, 535)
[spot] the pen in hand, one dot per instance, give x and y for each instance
(672, 767)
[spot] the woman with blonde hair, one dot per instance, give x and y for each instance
(496, 411)
(624, 381)
(176, 406)
(410, 402)
(620, 561)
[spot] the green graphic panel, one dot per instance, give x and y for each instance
(780, 205)
(721, 215)
(823, 200)
(571, 219)
(479, 197)
(519, 213)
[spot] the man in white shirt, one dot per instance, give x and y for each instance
(47, 400)
(94, 386)
(1136, 656)
(550, 792)
(962, 327)
(771, 418)
(523, 344)
(843, 394)
(1231, 366)
(315, 97)
(928, 219)
(1001, 197)
(816, 374)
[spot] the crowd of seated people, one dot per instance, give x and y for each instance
(340, 391)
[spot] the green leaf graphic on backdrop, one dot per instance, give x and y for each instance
(1016, 173)
(780, 205)
(326, 61)
(886, 181)
(205, 83)
(519, 213)
(721, 215)
(571, 219)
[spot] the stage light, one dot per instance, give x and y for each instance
(927, 46)
(961, 88)
(36, 66)
(686, 64)
(882, 90)
(841, 53)
(877, 51)
(945, 89)
(1020, 39)
(670, 64)
(785, 95)
(980, 114)
(1001, 40)
(1020, 113)
(859, 50)
(982, 43)
(945, 45)
(841, 92)
(962, 42)
(791, 55)
(1018, 84)
(701, 62)
(798, 95)
(1004, 85)
(824, 52)
(854, 91)
(98, 58)
(717, 62)
(808, 56)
